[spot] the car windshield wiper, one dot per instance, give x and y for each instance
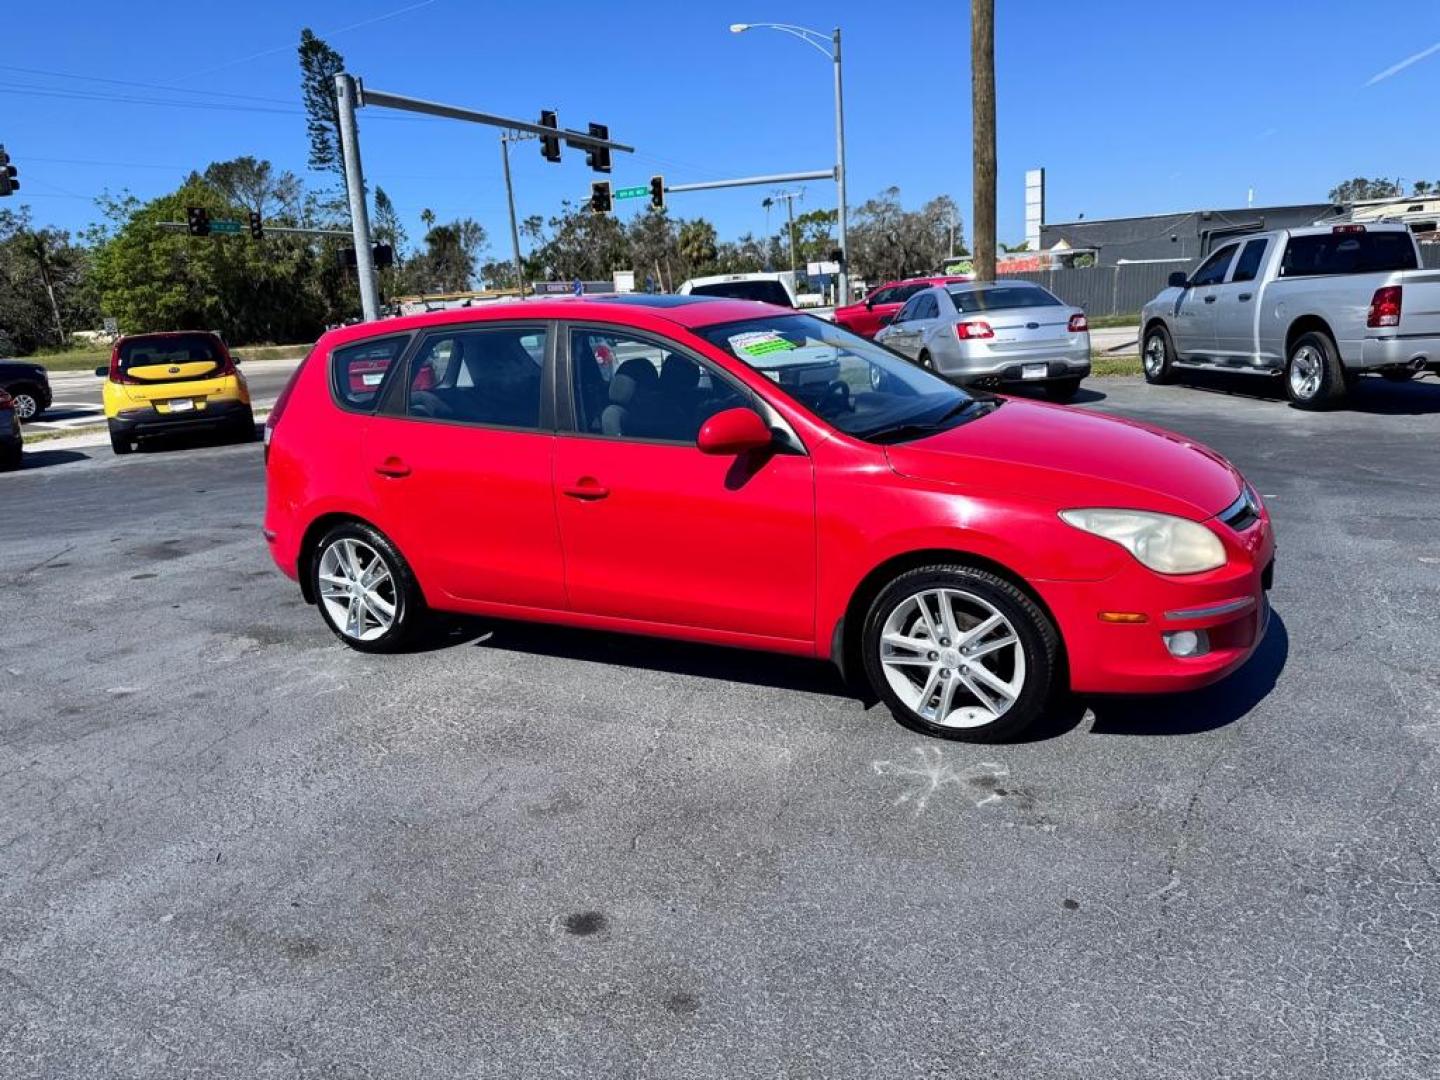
(961, 413)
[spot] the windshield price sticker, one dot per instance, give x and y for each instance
(761, 343)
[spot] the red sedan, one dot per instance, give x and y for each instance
(749, 476)
(873, 313)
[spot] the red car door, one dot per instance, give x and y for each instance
(656, 531)
(461, 467)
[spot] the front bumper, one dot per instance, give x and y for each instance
(209, 416)
(1230, 604)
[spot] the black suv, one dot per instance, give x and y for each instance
(29, 385)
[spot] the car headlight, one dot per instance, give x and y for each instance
(1164, 543)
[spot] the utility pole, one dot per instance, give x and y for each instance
(789, 197)
(347, 92)
(982, 105)
(506, 138)
(844, 297)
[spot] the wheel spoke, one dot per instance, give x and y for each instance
(986, 702)
(980, 673)
(928, 691)
(981, 630)
(947, 613)
(947, 699)
(382, 608)
(900, 641)
(994, 645)
(923, 603)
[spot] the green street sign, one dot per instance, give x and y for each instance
(631, 192)
(226, 227)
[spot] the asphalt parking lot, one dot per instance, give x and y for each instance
(231, 847)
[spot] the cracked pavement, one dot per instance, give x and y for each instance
(230, 847)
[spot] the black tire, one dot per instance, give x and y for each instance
(1063, 389)
(1038, 640)
(1157, 356)
(121, 444)
(1398, 375)
(409, 602)
(27, 402)
(924, 360)
(245, 427)
(12, 459)
(1314, 352)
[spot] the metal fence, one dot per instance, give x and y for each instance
(1126, 288)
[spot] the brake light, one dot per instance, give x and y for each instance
(1348, 228)
(970, 331)
(1078, 323)
(116, 375)
(1384, 307)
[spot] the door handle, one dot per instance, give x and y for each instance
(1210, 299)
(1245, 296)
(393, 467)
(587, 489)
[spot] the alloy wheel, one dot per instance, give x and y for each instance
(952, 658)
(1154, 354)
(26, 406)
(357, 589)
(1306, 369)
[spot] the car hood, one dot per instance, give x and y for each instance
(1072, 458)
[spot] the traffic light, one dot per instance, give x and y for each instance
(600, 197)
(549, 144)
(8, 173)
(384, 255)
(198, 218)
(657, 193)
(598, 157)
(257, 227)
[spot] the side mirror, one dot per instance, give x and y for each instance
(734, 431)
(103, 371)
(235, 359)
(870, 303)
(1179, 280)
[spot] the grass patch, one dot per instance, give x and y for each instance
(1105, 321)
(89, 359)
(1115, 365)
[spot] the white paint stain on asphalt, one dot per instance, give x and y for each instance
(932, 772)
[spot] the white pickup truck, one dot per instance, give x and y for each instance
(1320, 306)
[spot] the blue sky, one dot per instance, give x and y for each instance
(1132, 107)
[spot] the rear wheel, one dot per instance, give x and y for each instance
(121, 444)
(960, 653)
(245, 427)
(27, 402)
(925, 361)
(1157, 356)
(365, 590)
(1314, 376)
(1063, 389)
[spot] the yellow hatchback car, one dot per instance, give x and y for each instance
(159, 384)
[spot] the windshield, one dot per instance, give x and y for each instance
(772, 292)
(853, 384)
(170, 349)
(997, 297)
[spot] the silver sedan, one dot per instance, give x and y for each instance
(993, 334)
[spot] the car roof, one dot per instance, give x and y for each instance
(619, 308)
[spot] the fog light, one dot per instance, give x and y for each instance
(1185, 643)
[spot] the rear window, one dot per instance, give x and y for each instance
(772, 292)
(170, 350)
(998, 297)
(358, 371)
(1348, 253)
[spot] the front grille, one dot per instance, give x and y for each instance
(1242, 513)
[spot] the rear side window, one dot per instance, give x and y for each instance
(1348, 253)
(998, 297)
(358, 371)
(489, 376)
(1250, 258)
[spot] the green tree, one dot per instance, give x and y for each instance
(654, 247)
(256, 186)
(447, 263)
(581, 245)
(1360, 188)
(43, 285)
(696, 244)
(319, 64)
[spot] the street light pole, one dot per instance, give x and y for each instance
(505, 140)
(346, 92)
(844, 297)
(816, 39)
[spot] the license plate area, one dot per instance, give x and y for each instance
(180, 405)
(1034, 371)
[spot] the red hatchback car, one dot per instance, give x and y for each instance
(745, 475)
(876, 311)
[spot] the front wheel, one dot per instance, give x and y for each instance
(365, 590)
(1157, 357)
(1314, 376)
(27, 403)
(960, 653)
